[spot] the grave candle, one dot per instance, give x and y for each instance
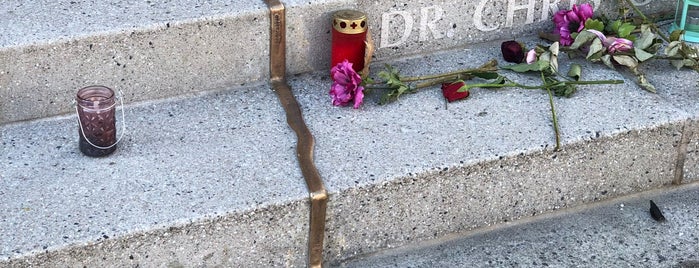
(97, 130)
(348, 36)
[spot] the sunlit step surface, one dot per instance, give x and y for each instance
(156, 49)
(212, 178)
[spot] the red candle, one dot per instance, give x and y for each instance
(349, 33)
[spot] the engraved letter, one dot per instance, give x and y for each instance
(386, 28)
(548, 9)
(432, 25)
(478, 18)
(511, 8)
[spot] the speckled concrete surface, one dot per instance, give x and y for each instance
(156, 49)
(618, 233)
(43, 21)
(203, 165)
(691, 164)
(149, 51)
(154, 61)
(420, 168)
(186, 177)
(682, 91)
(194, 163)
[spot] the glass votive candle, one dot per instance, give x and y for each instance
(96, 107)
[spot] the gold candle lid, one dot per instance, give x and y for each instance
(350, 21)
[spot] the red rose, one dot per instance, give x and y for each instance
(451, 91)
(512, 51)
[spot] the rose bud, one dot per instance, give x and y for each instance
(451, 91)
(512, 51)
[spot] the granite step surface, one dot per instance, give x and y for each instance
(616, 233)
(195, 182)
(159, 49)
(211, 178)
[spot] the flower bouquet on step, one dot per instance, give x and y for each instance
(626, 42)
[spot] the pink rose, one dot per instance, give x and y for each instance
(567, 21)
(346, 87)
(531, 56)
(613, 44)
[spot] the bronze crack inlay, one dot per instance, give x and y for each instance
(305, 141)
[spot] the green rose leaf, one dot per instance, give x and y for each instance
(673, 48)
(499, 80)
(595, 48)
(583, 38)
(607, 60)
(555, 48)
(677, 63)
(676, 35)
(647, 39)
(554, 57)
(614, 26)
(625, 30)
(486, 75)
(575, 72)
(523, 67)
(593, 24)
(625, 60)
(642, 55)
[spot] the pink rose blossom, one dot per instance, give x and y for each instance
(574, 19)
(584, 12)
(620, 45)
(613, 44)
(346, 86)
(531, 56)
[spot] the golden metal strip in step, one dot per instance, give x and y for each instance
(305, 143)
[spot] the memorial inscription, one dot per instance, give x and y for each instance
(398, 26)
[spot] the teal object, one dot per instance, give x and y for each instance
(687, 19)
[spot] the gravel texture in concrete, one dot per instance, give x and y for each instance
(212, 164)
(32, 22)
(419, 168)
(617, 233)
(218, 170)
(156, 49)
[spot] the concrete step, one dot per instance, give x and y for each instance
(154, 49)
(210, 177)
(195, 182)
(616, 233)
(420, 169)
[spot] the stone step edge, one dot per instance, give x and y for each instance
(147, 62)
(164, 241)
(443, 188)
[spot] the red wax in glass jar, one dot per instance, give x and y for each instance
(348, 36)
(96, 105)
